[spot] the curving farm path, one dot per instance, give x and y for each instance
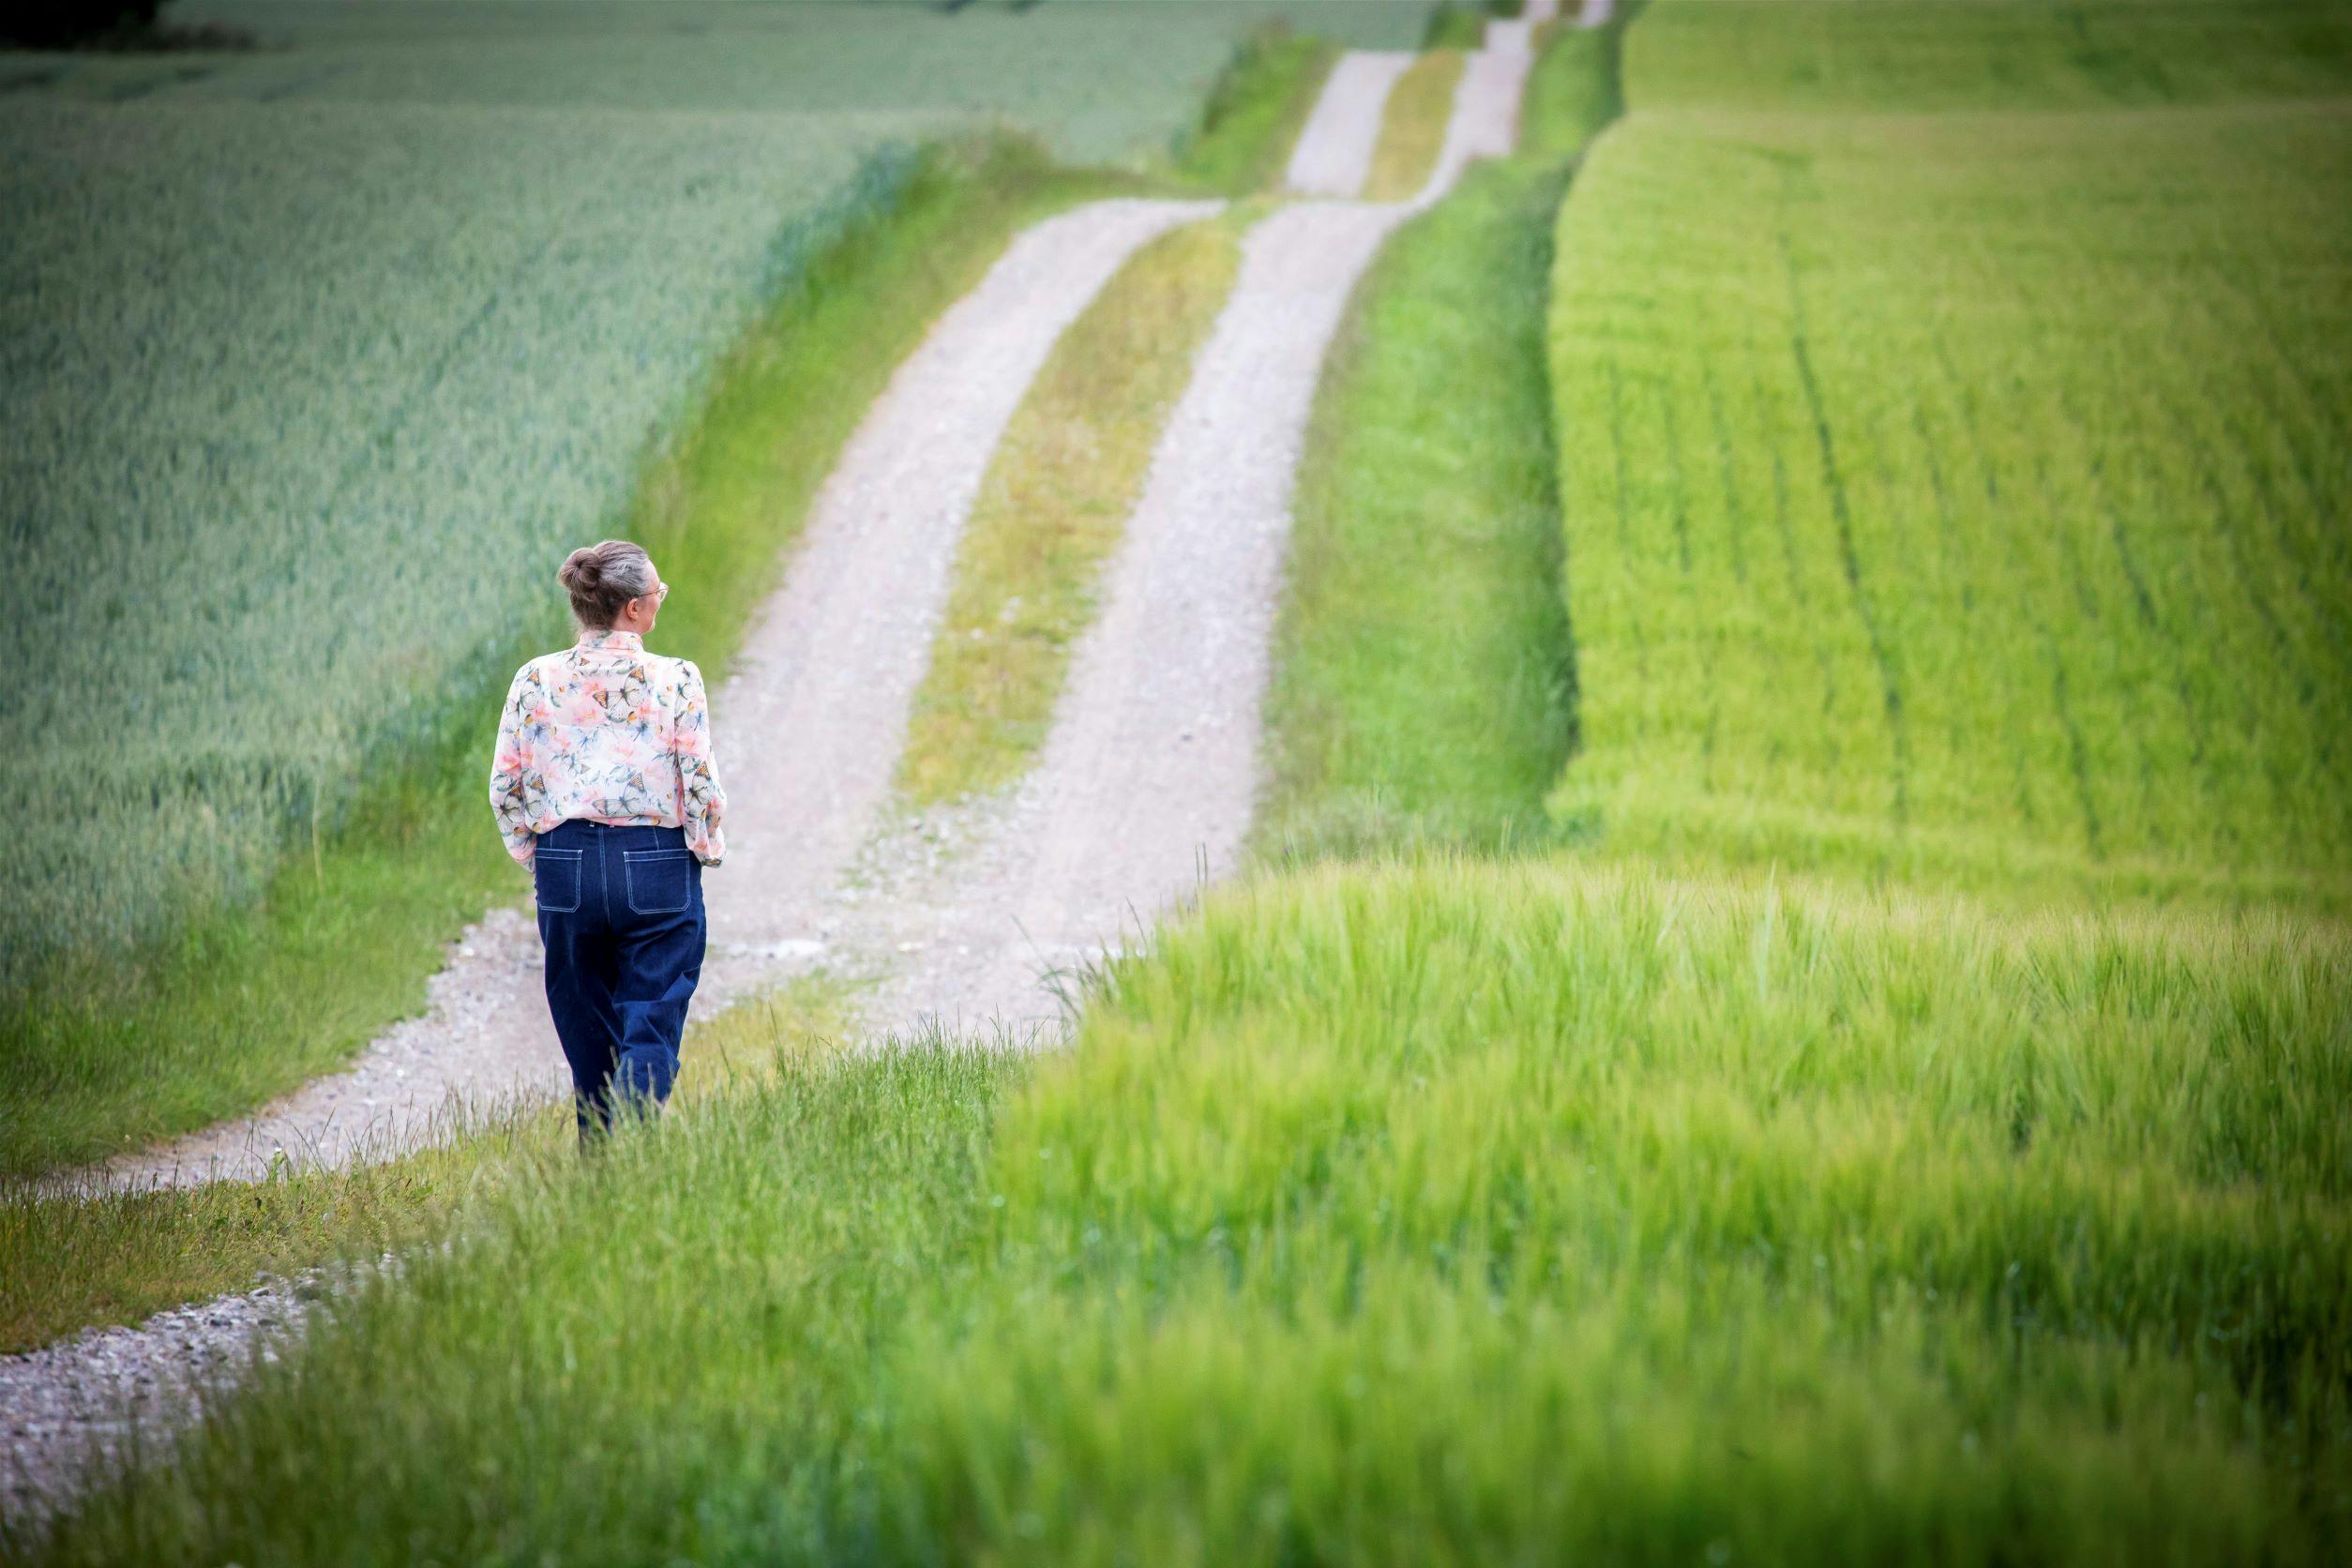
(1151, 768)
(969, 914)
(809, 726)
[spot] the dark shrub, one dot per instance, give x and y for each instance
(62, 23)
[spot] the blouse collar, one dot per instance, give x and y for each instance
(614, 641)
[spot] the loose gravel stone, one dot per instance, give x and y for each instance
(811, 723)
(1334, 154)
(72, 1411)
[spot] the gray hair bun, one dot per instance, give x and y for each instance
(602, 578)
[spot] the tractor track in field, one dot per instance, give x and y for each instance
(1145, 786)
(967, 916)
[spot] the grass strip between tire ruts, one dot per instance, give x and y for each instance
(1056, 498)
(1413, 126)
(1685, 1194)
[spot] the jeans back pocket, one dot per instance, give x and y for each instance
(660, 881)
(556, 880)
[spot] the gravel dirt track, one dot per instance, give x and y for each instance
(1146, 784)
(969, 915)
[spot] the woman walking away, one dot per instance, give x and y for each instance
(605, 787)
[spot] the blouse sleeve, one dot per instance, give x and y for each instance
(702, 801)
(509, 765)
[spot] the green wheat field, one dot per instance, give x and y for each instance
(1792, 997)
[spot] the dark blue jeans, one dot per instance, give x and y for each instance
(621, 913)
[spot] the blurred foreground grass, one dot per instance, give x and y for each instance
(1458, 1211)
(71, 1263)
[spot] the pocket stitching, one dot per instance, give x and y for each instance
(578, 891)
(628, 872)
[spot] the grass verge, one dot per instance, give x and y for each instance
(1424, 685)
(1065, 478)
(1413, 126)
(1577, 89)
(1424, 677)
(1831, 1227)
(1255, 113)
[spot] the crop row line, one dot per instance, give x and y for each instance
(1625, 509)
(2039, 301)
(2263, 596)
(2303, 547)
(1735, 531)
(1841, 513)
(1989, 480)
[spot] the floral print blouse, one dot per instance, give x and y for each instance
(608, 732)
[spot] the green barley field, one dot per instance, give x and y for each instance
(1963, 492)
(247, 466)
(1793, 1001)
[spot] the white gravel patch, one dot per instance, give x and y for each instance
(1334, 154)
(72, 1411)
(1504, 36)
